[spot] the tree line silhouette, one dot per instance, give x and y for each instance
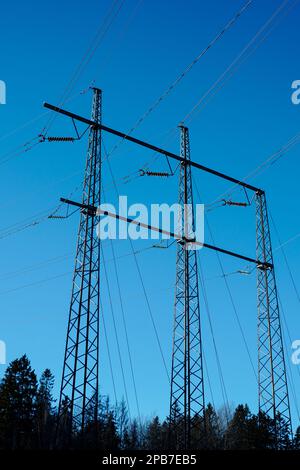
(28, 417)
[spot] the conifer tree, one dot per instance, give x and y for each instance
(45, 409)
(297, 439)
(18, 395)
(154, 434)
(239, 434)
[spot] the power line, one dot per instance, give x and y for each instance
(247, 270)
(290, 339)
(208, 380)
(143, 286)
(267, 163)
(22, 126)
(173, 85)
(219, 367)
(231, 298)
(295, 237)
(88, 55)
(20, 226)
(285, 259)
(278, 154)
(126, 333)
(115, 329)
(192, 64)
(108, 353)
(40, 265)
(29, 223)
(34, 267)
(240, 58)
(42, 281)
(24, 148)
(125, 326)
(235, 62)
(125, 28)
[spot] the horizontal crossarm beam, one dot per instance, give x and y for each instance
(152, 147)
(97, 211)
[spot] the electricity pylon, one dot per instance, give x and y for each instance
(78, 403)
(187, 386)
(273, 387)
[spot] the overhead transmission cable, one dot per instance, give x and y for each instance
(33, 221)
(142, 284)
(34, 267)
(234, 65)
(281, 247)
(126, 27)
(23, 148)
(286, 325)
(248, 270)
(216, 89)
(126, 334)
(103, 29)
(219, 367)
(240, 58)
(266, 164)
(242, 55)
(28, 145)
(208, 380)
(230, 295)
(282, 309)
(108, 353)
(114, 259)
(115, 331)
(40, 265)
(180, 77)
(36, 283)
(292, 383)
(291, 239)
(91, 50)
(192, 64)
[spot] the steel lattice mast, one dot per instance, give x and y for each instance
(273, 388)
(187, 387)
(78, 404)
(187, 397)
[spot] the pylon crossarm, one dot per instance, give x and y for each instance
(93, 210)
(156, 149)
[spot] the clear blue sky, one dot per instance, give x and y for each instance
(146, 48)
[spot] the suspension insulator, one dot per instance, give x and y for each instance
(233, 203)
(157, 173)
(61, 139)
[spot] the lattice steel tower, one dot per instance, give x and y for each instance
(273, 388)
(187, 386)
(78, 404)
